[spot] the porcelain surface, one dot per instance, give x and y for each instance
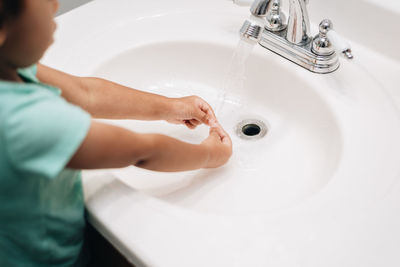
(321, 188)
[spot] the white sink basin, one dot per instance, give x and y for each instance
(321, 188)
(302, 131)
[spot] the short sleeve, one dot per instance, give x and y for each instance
(42, 134)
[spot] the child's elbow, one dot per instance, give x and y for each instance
(148, 151)
(142, 163)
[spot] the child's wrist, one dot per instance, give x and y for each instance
(168, 108)
(164, 108)
(206, 155)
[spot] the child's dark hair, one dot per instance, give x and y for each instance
(10, 9)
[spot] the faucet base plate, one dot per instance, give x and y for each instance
(301, 54)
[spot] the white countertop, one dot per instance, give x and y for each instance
(350, 222)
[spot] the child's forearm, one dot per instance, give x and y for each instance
(107, 146)
(113, 101)
(170, 155)
(105, 99)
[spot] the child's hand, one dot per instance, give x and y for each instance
(219, 146)
(191, 111)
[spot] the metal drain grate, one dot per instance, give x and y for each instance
(251, 129)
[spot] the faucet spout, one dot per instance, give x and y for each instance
(252, 28)
(298, 28)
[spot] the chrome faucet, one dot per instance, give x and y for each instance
(292, 40)
(298, 29)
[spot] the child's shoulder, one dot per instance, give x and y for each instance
(20, 95)
(38, 126)
(27, 103)
(15, 93)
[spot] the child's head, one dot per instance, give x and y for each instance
(26, 30)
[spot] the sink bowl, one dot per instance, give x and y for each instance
(301, 129)
(320, 188)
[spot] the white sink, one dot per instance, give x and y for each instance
(302, 130)
(319, 189)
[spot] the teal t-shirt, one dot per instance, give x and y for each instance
(41, 201)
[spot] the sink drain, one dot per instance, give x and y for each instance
(251, 129)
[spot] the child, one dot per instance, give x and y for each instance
(45, 139)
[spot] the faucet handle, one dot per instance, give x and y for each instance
(328, 40)
(340, 44)
(275, 17)
(321, 44)
(270, 10)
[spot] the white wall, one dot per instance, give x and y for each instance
(66, 5)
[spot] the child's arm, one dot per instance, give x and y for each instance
(107, 146)
(105, 99)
